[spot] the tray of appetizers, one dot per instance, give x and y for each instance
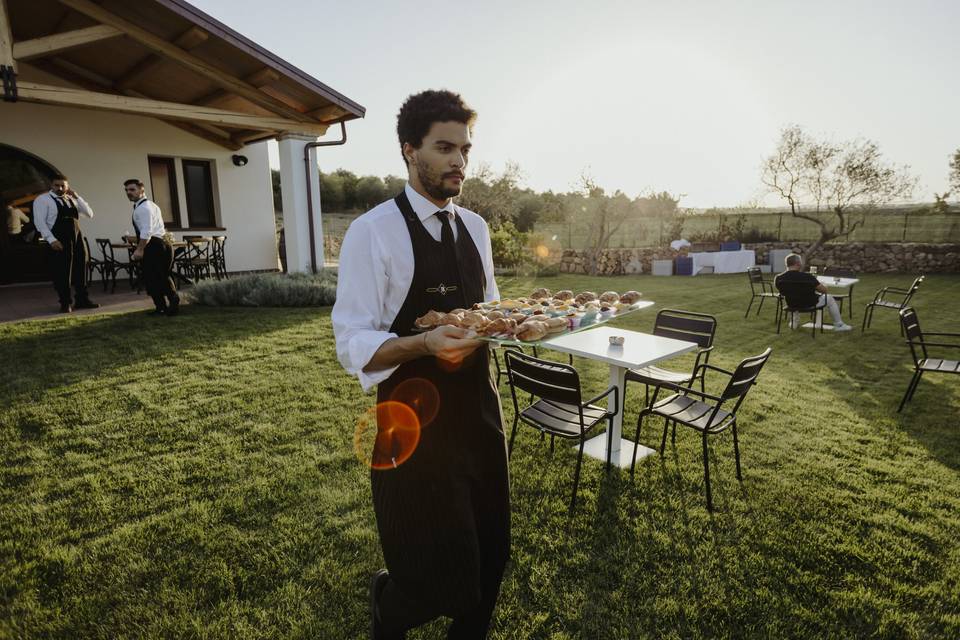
(538, 317)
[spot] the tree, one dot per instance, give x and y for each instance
(849, 180)
(369, 192)
(955, 174)
(608, 215)
(493, 196)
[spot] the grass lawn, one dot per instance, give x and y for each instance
(195, 477)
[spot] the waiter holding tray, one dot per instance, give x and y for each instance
(443, 505)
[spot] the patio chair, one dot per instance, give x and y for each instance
(94, 265)
(218, 256)
(681, 325)
(110, 265)
(922, 362)
(760, 287)
(794, 290)
(706, 414)
(900, 298)
(193, 263)
(847, 296)
(560, 411)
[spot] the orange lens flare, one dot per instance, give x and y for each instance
(422, 396)
(386, 435)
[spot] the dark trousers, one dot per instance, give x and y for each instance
(69, 267)
(157, 267)
(445, 539)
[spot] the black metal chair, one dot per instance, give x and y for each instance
(901, 300)
(793, 291)
(759, 288)
(560, 411)
(847, 296)
(110, 265)
(681, 325)
(218, 256)
(95, 265)
(706, 415)
(922, 362)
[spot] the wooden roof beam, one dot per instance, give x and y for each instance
(63, 96)
(329, 113)
(184, 58)
(189, 39)
(259, 79)
(60, 42)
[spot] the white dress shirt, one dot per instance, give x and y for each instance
(45, 212)
(149, 219)
(376, 271)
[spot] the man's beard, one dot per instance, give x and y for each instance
(433, 183)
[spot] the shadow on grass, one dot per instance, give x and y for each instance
(51, 354)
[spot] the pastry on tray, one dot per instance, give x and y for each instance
(610, 297)
(540, 294)
(630, 297)
(565, 294)
(532, 330)
(429, 320)
(585, 296)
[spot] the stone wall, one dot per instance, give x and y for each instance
(862, 257)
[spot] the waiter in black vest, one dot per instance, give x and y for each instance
(56, 214)
(443, 506)
(153, 249)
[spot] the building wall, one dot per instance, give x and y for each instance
(98, 150)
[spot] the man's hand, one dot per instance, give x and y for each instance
(72, 193)
(56, 245)
(451, 343)
(138, 254)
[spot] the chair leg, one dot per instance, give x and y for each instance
(576, 477)
(915, 385)
(609, 443)
(747, 313)
(513, 434)
(706, 472)
(673, 433)
(551, 443)
(866, 312)
(736, 449)
(910, 387)
(760, 306)
(850, 306)
(779, 319)
(663, 440)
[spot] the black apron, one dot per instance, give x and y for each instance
(156, 267)
(69, 265)
(443, 511)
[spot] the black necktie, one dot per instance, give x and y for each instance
(448, 247)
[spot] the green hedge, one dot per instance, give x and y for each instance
(267, 290)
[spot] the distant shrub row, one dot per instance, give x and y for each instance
(267, 290)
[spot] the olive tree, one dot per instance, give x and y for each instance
(833, 185)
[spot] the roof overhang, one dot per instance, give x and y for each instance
(164, 59)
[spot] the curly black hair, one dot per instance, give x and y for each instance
(421, 110)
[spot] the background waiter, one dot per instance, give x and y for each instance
(153, 249)
(56, 215)
(443, 513)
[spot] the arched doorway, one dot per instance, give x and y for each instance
(23, 176)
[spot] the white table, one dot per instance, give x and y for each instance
(724, 261)
(638, 350)
(830, 281)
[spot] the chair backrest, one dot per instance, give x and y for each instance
(550, 381)
(840, 272)
(218, 247)
(755, 276)
(745, 376)
(686, 325)
(106, 250)
(911, 329)
(797, 295)
(197, 248)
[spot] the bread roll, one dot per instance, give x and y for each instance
(540, 294)
(585, 296)
(495, 315)
(610, 297)
(532, 330)
(555, 325)
(565, 294)
(451, 319)
(429, 320)
(630, 297)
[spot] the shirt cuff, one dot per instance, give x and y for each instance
(362, 348)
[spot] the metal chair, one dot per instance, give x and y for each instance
(218, 256)
(706, 415)
(681, 325)
(111, 265)
(847, 296)
(560, 411)
(922, 362)
(759, 288)
(793, 291)
(902, 299)
(193, 263)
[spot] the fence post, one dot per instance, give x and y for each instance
(780, 227)
(906, 217)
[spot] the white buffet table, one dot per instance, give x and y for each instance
(724, 261)
(638, 350)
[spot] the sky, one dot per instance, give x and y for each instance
(642, 95)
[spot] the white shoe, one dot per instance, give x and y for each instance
(793, 321)
(842, 327)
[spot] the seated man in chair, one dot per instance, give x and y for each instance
(804, 291)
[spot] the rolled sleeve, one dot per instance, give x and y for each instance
(358, 312)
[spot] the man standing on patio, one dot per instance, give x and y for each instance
(56, 214)
(153, 249)
(443, 507)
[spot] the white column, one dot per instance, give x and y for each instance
(293, 191)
